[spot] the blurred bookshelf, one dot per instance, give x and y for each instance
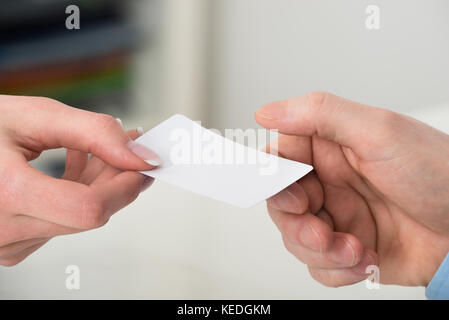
(92, 68)
(88, 68)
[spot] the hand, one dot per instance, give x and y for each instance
(35, 207)
(378, 195)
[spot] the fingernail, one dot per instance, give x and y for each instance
(146, 154)
(286, 200)
(310, 238)
(139, 131)
(367, 260)
(271, 112)
(119, 121)
(342, 252)
(146, 183)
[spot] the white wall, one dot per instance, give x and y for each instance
(266, 50)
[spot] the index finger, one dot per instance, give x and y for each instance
(73, 204)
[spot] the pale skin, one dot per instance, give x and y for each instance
(34, 207)
(378, 195)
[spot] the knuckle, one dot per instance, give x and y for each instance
(45, 102)
(107, 122)
(388, 120)
(92, 214)
(316, 98)
(389, 125)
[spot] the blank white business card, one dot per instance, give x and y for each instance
(204, 162)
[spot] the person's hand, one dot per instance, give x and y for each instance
(378, 195)
(35, 207)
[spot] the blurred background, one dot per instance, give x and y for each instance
(216, 61)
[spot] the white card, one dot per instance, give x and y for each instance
(204, 162)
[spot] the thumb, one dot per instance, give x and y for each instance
(47, 124)
(330, 117)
